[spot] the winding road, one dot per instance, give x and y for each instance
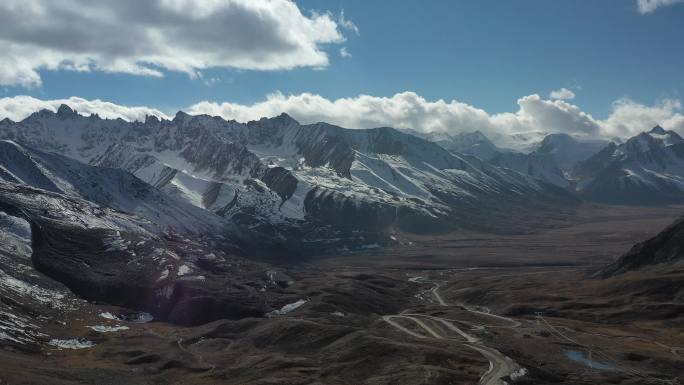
(499, 365)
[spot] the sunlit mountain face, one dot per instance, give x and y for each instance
(298, 192)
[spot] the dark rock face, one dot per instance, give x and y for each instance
(347, 214)
(323, 144)
(665, 248)
(279, 180)
(172, 277)
(207, 153)
(65, 111)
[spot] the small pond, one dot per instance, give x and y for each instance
(582, 358)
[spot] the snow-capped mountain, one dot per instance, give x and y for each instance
(567, 151)
(552, 159)
(538, 166)
(467, 143)
(108, 187)
(276, 172)
(647, 168)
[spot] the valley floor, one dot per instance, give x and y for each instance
(454, 309)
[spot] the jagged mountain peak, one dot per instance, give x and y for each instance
(181, 116)
(644, 169)
(475, 135)
(65, 111)
(667, 136)
(152, 119)
(282, 120)
(658, 130)
(39, 115)
(651, 140)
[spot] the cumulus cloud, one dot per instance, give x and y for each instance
(150, 37)
(410, 110)
(562, 94)
(629, 117)
(19, 107)
(647, 6)
(403, 110)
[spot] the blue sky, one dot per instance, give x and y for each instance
(484, 53)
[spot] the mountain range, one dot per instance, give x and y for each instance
(276, 183)
(273, 177)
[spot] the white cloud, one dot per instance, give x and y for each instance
(150, 37)
(647, 6)
(562, 94)
(19, 107)
(344, 53)
(629, 118)
(348, 24)
(410, 110)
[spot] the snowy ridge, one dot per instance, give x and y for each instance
(105, 186)
(648, 169)
(271, 171)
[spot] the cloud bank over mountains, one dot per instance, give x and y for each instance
(19, 107)
(410, 110)
(402, 110)
(150, 37)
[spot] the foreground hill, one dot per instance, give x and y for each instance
(665, 250)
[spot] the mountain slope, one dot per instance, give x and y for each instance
(467, 143)
(538, 166)
(567, 151)
(108, 187)
(116, 258)
(646, 169)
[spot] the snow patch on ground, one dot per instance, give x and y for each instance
(139, 318)
(518, 374)
(72, 343)
(107, 329)
(18, 329)
(108, 315)
(47, 297)
(287, 308)
(15, 235)
(184, 269)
